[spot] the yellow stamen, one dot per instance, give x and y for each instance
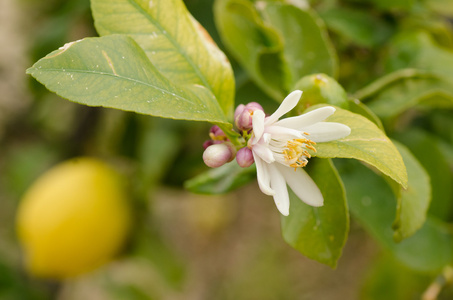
(296, 153)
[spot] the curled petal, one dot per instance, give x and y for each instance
(308, 119)
(288, 103)
(258, 125)
(262, 175)
(327, 131)
(302, 185)
(278, 184)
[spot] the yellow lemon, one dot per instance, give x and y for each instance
(74, 218)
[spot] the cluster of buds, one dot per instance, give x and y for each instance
(219, 150)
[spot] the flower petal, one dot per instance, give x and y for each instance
(288, 103)
(308, 119)
(279, 132)
(302, 185)
(262, 175)
(263, 152)
(258, 125)
(278, 183)
(327, 131)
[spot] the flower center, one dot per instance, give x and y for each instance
(296, 153)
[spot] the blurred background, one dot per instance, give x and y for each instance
(183, 245)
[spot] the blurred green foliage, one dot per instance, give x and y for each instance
(390, 61)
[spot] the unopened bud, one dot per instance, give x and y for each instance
(243, 117)
(217, 155)
(207, 143)
(215, 131)
(238, 110)
(244, 157)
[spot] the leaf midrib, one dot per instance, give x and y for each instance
(116, 76)
(174, 43)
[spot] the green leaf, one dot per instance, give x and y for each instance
(357, 107)
(366, 143)
(360, 27)
(319, 232)
(113, 71)
(397, 92)
(221, 180)
(372, 203)
(306, 46)
(443, 7)
(175, 43)
(428, 150)
(320, 88)
(417, 49)
(412, 202)
(277, 43)
(404, 5)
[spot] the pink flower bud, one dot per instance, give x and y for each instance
(239, 110)
(232, 150)
(207, 143)
(254, 106)
(243, 119)
(244, 157)
(216, 131)
(217, 155)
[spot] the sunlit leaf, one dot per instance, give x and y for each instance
(366, 143)
(319, 232)
(357, 107)
(175, 43)
(113, 71)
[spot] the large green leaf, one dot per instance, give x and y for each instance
(276, 42)
(173, 40)
(366, 143)
(372, 203)
(319, 232)
(412, 202)
(113, 71)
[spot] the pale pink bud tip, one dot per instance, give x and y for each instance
(238, 110)
(243, 115)
(244, 157)
(217, 155)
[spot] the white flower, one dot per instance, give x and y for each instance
(280, 147)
